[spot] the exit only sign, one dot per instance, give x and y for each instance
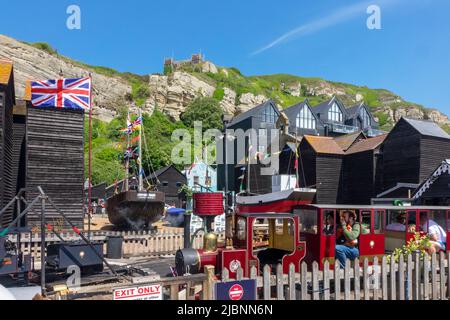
(153, 292)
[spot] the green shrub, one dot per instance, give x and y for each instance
(219, 94)
(45, 47)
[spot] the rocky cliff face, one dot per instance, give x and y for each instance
(34, 64)
(173, 93)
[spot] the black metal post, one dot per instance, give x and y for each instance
(187, 230)
(89, 225)
(43, 290)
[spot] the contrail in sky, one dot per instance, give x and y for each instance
(336, 17)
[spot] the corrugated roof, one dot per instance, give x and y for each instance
(346, 141)
(427, 128)
(367, 144)
(324, 145)
(6, 69)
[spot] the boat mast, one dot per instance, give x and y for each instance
(127, 160)
(297, 175)
(141, 178)
(248, 166)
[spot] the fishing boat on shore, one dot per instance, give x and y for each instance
(137, 208)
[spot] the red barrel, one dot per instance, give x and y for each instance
(208, 204)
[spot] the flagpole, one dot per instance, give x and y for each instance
(90, 165)
(141, 178)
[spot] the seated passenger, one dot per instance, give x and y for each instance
(328, 230)
(347, 238)
(438, 236)
(365, 228)
(399, 224)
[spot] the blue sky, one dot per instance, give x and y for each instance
(410, 55)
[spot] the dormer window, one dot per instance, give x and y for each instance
(269, 115)
(365, 118)
(305, 119)
(335, 113)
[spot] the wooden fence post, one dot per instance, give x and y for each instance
(253, 273)
(315, 281)
(434, 286)
(376, 278)
(442, 275)
(280, 282)
(291, 280)
(384, 281)
(326, 280)
(266, 283)
(304, 281)
(225, 275)
(347, 280)
(208, 284)
(174, 289)
(393, 279)
(417, 295)
(426, 277)
(366, 279)
(409, 278)
(448, 275)
(239, 274)
(337, 280)
(401, 278)
(357, 280)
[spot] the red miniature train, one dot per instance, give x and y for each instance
(292, 230)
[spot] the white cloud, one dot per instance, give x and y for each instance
(336, 17)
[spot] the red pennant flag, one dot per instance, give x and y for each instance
(77, 231)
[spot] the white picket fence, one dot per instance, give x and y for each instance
(136, 243)
(408, 279)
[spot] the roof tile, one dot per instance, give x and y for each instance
(324, 145)
(6, 69)
(366, 145)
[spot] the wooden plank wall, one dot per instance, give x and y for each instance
(432, 152)
(358, 178)
(401, 156)
(6, 152)
(329, 178)
(55, 161)
(19, 148)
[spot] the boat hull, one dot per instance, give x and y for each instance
(277, 202)
(135, 210)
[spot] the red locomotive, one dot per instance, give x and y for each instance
(286, 228)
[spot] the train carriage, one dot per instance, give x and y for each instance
(381, 231)
(290, 232)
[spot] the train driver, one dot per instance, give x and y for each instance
(438, 236)
(347, 238)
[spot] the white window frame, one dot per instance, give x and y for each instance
(335, 113)
(305, 119)
(365, 117)
(269, 115)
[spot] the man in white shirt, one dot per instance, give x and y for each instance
(399, 224)
(437, 234)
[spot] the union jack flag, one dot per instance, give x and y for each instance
(62, 93)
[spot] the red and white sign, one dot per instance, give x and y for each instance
(236, 292)
(153, 292)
